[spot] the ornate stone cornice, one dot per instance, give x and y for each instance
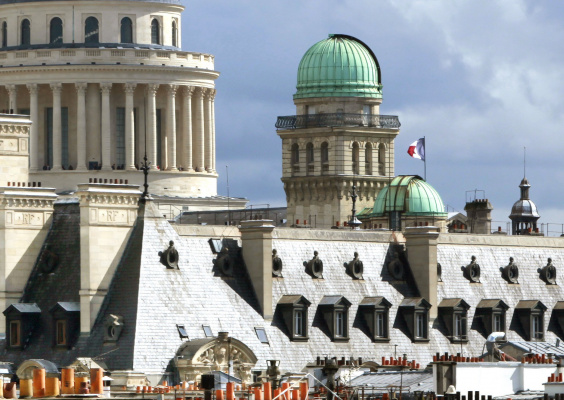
(110, 199)
(14, 129)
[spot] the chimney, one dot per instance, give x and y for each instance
(479, 214)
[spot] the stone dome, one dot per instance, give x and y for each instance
(339, 66)
(410, 195)
(524, 207)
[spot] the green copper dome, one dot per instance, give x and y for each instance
(410, 195)
(339, 66)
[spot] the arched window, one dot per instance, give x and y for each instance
(355, 157)
(295, 157)
(126, 30)
(56, 31)
(309, 158)
(25, 32)
(325, 157)
(91, 30)
(155, 32)
(368, 159)
(4, 34)
(174, 34)
(382, 159)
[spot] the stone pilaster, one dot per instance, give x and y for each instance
(129, 126)
(56, 88)
(171, 128)
(152, 123)
(81, 125)
(105, 89)
(107, 216)
(199, 143)
(257, 253)
(187, 161)
(25, 217)
(421, 245)
(34, 134)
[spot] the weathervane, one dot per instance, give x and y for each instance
(145, 166)
(354, 222)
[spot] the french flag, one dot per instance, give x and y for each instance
(417, 149)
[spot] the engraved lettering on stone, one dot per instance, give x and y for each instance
(113, 216)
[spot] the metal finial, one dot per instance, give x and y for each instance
(145, 168)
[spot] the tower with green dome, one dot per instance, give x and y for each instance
(338, 138)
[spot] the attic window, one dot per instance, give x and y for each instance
(454, 314)
(530, 317)
(66, 323)
(207, 330)
(415, 312)
(293, 309)
(374, 312)
(491, 315)
(15, 333)
(261, 335)
(21, 319)
(61, 332)
(182, 331)
(335, 311)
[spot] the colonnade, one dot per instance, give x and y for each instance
(195, 130)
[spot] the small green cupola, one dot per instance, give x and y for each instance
(339, 66)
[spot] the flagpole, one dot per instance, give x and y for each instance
(425, 159)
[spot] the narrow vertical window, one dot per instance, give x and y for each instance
(126, 29)
(295, 157)
(4, 34)
(420, 331)
(25, 33)
(15, 333)
(56, 31)
(381, 325)
(325, 157)
(61, 332)
(299, 323)
(340, 324)
(497, 326)
(355, 157)
(537, 327)
(174, 34)
(310, 158)
(155, 32)
(382, 159)
(368, 159)
(120, 137)
(91, 30)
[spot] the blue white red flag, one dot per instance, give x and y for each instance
(417, 149)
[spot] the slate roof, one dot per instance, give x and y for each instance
(24, 307)
(536, 347)
(409, 380)
(68, 306)
(491, 303)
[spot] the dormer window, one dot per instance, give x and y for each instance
(21, 319)
(491, 316)
(293, 310)
(66, 323)
(454, 314)
(558, 317)
(335, 312)
(374, 312)
(415, 312)
(530, 317)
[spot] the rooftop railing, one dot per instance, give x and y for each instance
(338, 119)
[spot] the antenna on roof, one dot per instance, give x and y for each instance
(524, 161)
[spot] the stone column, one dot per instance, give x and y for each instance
(421, 247)
(187, 128)
(13, 101)
(93, 120)
(152, 128)
(171, 128)
(212, 105)
(105, 89)
(129, 127)
(57, 128)
(34, 133)
(199, 144)
(208, 130)
(81, 125)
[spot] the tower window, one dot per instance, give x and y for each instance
(382, 159)
(126, 29)
(4, 34)
(325, 157)
(174, 34)
(355, 158)
(91, 30)
(295, 158)
(56, 31)
(368, 159)
(26, 32)
(310, 158)
(155, 32)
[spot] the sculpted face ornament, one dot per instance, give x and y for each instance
(472, 271)
(548, 273)
(276, 265)
(314, 267)
(355, 268)
(510, 272)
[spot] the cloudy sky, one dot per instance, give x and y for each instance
(480, 80)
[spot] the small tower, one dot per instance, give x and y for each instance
(338, 138)
(524, 214)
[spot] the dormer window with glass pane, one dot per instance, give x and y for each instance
(66, 323)
(21, 320)
(335, 312)
(374, 314)
(490, 316)
(293, 310)
(454, 316)
(530, 319)
(415, 312)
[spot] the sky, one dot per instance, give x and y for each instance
(481, 80)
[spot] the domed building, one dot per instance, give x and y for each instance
(524, 214)
(104, 83)
(338, 138)
(408, 201)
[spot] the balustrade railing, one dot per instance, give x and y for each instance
(338, 119)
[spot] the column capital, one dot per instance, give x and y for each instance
(210, 94)
(200, 92)
(11, 88)
(105, 87)
(172, 90)
(188, 91)
(152, 88)
(56, 87)
(33, 88)
(81, 87)
(129, 87)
